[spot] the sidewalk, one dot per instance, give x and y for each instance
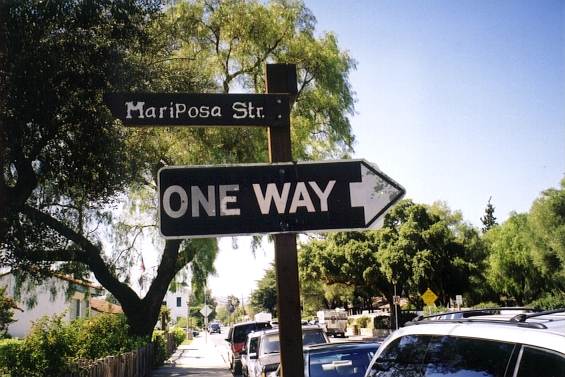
(199, 358)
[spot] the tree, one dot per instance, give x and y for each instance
(511, 269)
(418, 247)
(340, 261)
(429, 247)
(264, 297)
(7, 306)
(547, 223)
(66, 162)
(488, 219)
(233, 40)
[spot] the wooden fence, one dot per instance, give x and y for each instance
(137, 363)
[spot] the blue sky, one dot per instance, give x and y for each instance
(457, 101)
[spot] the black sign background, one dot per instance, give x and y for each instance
(276, 109)
(340, 214)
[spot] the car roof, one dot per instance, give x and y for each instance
(276, 330)
(539, 329)
(324, 347)
(248, 323)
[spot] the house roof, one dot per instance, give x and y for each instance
(103, 306)
(70, 279)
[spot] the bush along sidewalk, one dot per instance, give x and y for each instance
(55, 348)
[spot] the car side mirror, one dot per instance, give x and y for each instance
(253, 356)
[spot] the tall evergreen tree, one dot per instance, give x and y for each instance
(488, 219)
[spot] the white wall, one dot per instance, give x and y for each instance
(47, 304)
(171, 301)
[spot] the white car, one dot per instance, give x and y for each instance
(501, 345)
(249, 353)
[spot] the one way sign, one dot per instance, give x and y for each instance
(208, 201)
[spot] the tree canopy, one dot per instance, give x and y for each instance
(67, 165)
(418, 247)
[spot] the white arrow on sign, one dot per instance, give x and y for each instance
(206, 311)
(374, 193)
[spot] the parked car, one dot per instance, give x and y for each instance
(237, 336)
(487, 345)
(349, 359)
(214, 327)
(268, 357)
(249, 353)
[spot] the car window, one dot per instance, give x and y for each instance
(537, 362)
(253, 343)
(313, 337)
(240, 332)
(352, 363)
(270, 344)
(435, 356)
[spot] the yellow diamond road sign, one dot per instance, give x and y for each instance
(429, 297)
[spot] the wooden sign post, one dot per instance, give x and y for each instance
(281, 78)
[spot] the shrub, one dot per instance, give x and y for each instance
(159, 347)
(104, 335)
(52, 345)
(486, 305)
(46, 350)
(382, 322)
(10, 350)
(179, 335)
(6, 312)
(182, 322)
(363, 321)
(549, 302)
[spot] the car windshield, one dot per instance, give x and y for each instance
(352, 363)
(437, 356)
(240, 332)
(270, 344)
(313, 337)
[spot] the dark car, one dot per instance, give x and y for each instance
(338, 359)
(214, 328)
(237, 336)
(349, 359)
(268, 356)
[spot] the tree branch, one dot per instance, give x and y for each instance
(89, 254)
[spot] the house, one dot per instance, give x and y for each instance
(56, 295)
(177, 303)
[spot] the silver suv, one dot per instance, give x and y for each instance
(267, 357)
(478, 344)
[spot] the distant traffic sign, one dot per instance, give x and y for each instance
(429, 297)
(183, 109)
(273, 198)
(206, 311)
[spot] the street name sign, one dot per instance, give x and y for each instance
(209, 201)
(200, 109)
